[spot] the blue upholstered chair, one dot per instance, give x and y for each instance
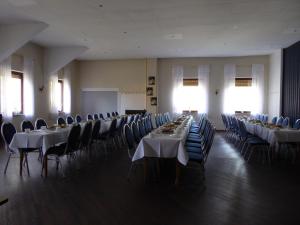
(89, 117)
(96, 117)
(26, 124)
(78, 119)
(60, 121)
(274, 120)
(297, 124)
(70, 120)
(40, 123)
(286, 122)
(279, 121)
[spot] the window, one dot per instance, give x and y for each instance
(244, 95)
(17, 93)
(190, 95)
(60, 95)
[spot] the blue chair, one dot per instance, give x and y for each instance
(135, 132)
(297, 124)
(108, 115)
(113, 114)
(96, 117)
(78, 119)
(286, 122)
(101, 116)
(40, 123)
(89, 117)
(274, 120)
(26, 124)
(61, 121)
(117, 114)
(70, 120)
(279, 121)
(141, 128)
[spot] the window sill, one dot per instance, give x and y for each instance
(17, 114)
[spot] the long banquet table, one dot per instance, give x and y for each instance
(160, 145)
(46, 138)
(274, 136)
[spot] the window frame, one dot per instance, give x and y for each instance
(61, 82)
(19, 75)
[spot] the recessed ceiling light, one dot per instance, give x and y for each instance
(138, 46)
(100, 5)
(125, 32)
(173, 36)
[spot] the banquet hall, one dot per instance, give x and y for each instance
(149, 112)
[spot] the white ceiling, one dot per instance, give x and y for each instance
(161, 28)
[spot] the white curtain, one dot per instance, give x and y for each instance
(229, 84)
(53, 94)
(177, 80)
(203, 79)
(67, 91)
(28, 87)
(5, 88)
(258, 86)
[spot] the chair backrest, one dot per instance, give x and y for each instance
(8, 131)
(86, 134)
(69, 120)
(113, 114)
(101, 116)
(141, 128)
(89, 117)
(96, 130)
(96, 117)
(73, 139)
(108, 115)
(26, 124)
(136, 132)
(113, 127)
(274, 120)
(60, 121)
(297, 124)
(286, 122)
(78, 118)
(129, 139)
(279, 121)
(116, 113)
(40, 123)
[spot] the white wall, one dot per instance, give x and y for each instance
(275, 84)
(216, 81)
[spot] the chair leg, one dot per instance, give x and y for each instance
(26, 161)
(8, 159)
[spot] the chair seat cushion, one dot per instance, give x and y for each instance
(198, 157)
(193, 144)
(194, 149)
(57, 150)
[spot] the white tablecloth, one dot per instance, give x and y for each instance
(274, 136)
(39, 139)
(161, 145)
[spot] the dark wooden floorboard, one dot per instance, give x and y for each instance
(97, 192)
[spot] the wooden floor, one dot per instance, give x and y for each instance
(97, 192)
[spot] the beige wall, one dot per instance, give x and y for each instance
(216, 81)
(126, 75)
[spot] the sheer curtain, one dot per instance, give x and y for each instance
(229, 84)
(67, 91)
(5, 88)
(177, 80)
(53, 94)
(28, 87)
(203, 79)
(258, 87)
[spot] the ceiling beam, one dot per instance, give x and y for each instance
(56, 58)
(14, 36)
